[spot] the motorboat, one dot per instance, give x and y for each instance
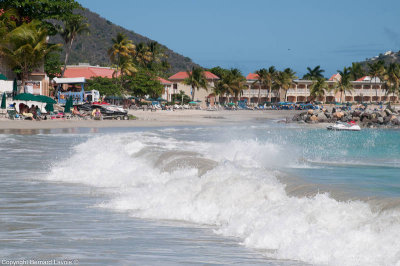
(341, 126)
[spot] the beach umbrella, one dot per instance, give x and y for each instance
(68, 105)
(25, 97)
(44, 99)
(49, 107)
(15, 88)
(3, 101)
(2, 77)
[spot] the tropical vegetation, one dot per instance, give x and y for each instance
(343, 85)
(196, 79)
(314, 74)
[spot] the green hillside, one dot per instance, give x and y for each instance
(93, 48)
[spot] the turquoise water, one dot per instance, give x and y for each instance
(257, 193)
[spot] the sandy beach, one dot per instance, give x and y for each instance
(155, 119)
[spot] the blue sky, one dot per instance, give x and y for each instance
(253, 34)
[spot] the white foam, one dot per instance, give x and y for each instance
(241, 196)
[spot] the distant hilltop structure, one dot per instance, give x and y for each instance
(387, 56)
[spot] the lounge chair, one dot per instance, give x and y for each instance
(13, 115)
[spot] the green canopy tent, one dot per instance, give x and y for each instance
(15, 88)
(3, 101)
(161, 99)
(68, 105)
(193, 103)
(2, 77)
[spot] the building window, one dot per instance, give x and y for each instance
(175, 86)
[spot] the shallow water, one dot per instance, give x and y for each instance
(247, 194)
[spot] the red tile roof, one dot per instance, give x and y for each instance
(182, 75)
(334, 76)
(362, 79)
(88, 72)
(164, 81)
(252, 76)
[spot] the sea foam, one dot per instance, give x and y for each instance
(235, 189)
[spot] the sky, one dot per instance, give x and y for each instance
(254, 34)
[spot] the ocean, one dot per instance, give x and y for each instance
(259, 193)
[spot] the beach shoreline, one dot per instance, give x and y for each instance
(156, 119)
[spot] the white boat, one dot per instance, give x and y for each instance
(351, 126)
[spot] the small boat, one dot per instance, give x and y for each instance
(350, 126)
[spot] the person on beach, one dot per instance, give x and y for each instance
(96, 114)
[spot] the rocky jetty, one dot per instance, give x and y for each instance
(387, 118)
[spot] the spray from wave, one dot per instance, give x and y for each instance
(233, 186)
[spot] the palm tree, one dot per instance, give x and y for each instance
(356, 71)
(121, 50)
(143, 55)
(25, 47)
(376, 70)
(392, 78)
(233, 82)
(196, 79)
(156, 51)
(314, 74)
(343, 85)
(318, 88)
(127, 66)
(69, 33)
(284, 79)
(261, 79)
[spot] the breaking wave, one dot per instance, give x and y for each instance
(233, 186)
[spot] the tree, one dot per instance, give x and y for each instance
(344, 84)
(392, 79)
(48, 12)
(143, 56)
(182, 97)
(73, 27)
(121, 49)
(143, 82)
(318, 88)
(105, 86)
(196, 79)
(284, 79)
(376, 70)
(7, 22)
(25, 47)
(356, 71)
(231, 82)
(261, 79)
(53, 64)
(219, 89)
(314, 74)
(42, 9)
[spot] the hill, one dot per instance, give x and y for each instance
(388, 57)
(93, 48)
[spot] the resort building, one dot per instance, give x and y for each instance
(37, 82)
(364, 89)
(167, 92)
(202, 95)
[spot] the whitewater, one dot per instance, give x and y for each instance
(289, 194)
